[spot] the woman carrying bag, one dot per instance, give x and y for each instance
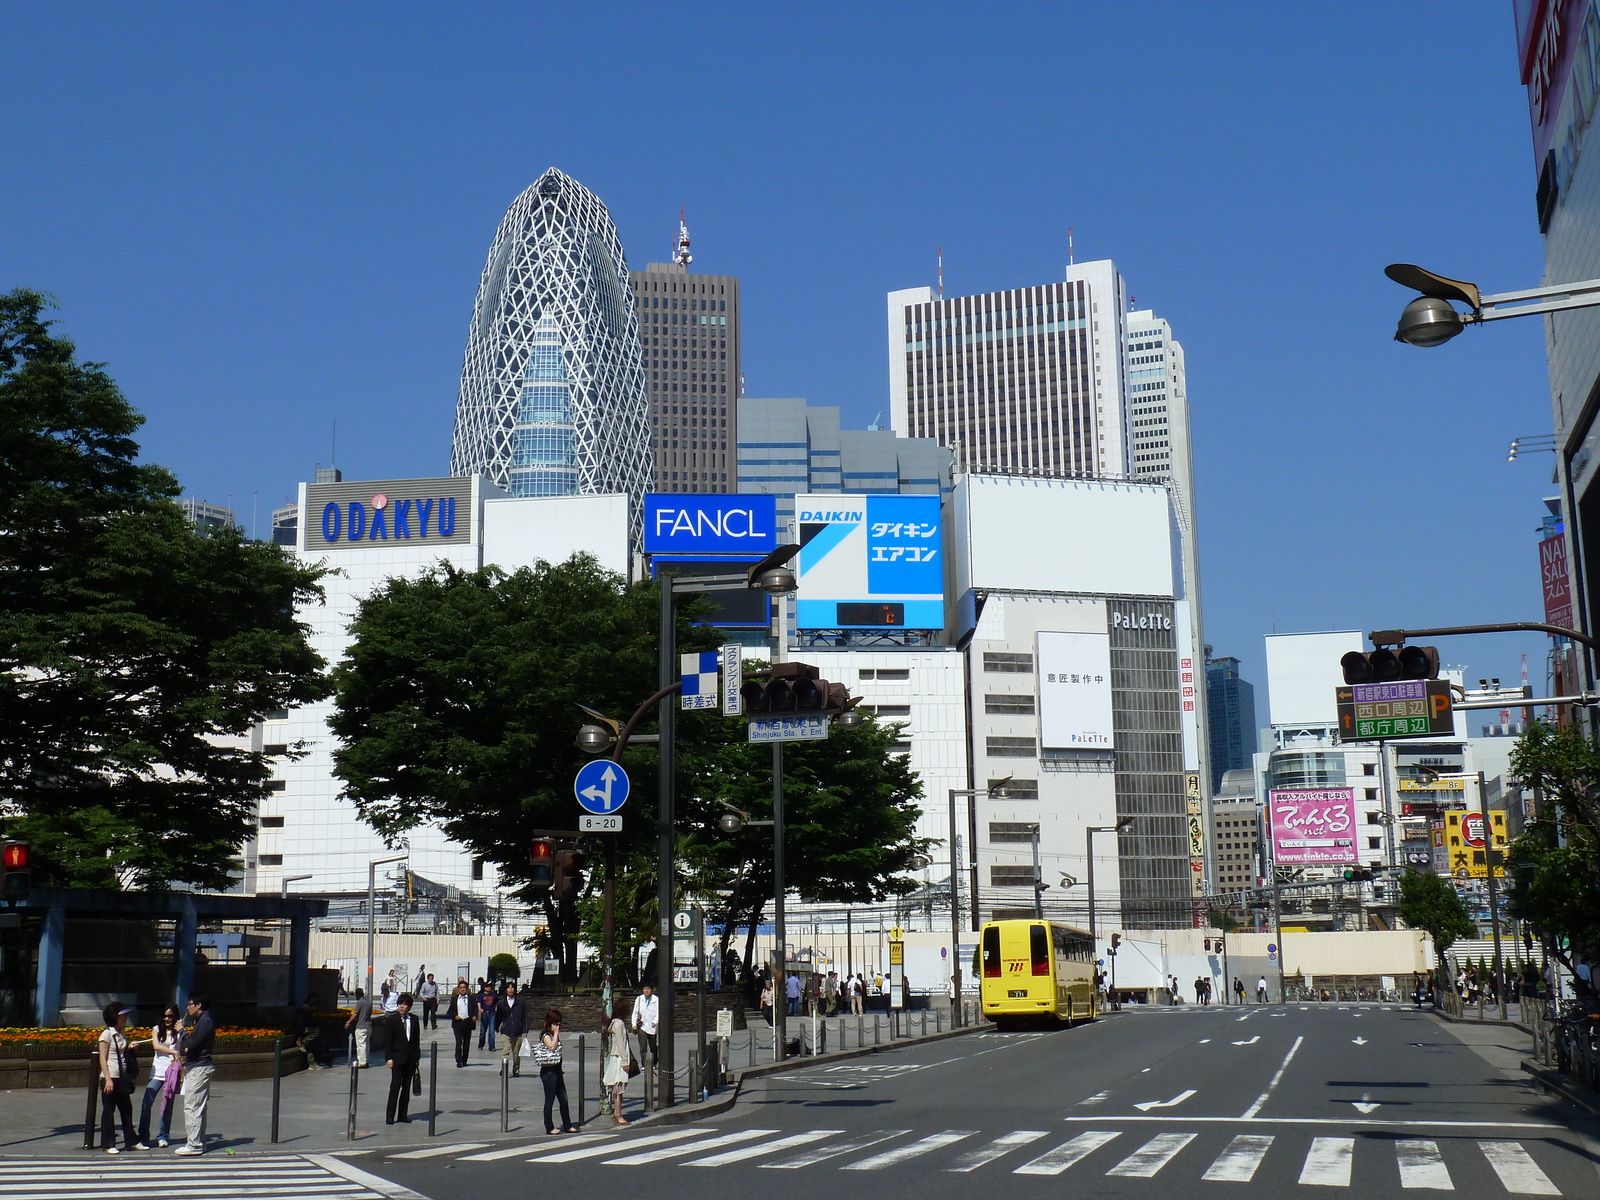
(165, 1076)
(547, 1053)
(118, 1068)
(619, 1066)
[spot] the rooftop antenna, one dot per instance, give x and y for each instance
(333, 445)
(1070, 258)
(941, 275)
(680, 248)
(875, 420)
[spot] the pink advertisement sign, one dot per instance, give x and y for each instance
(1313, 827)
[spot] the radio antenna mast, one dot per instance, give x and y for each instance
(1070, 258)
(941, 272)
(680, 247)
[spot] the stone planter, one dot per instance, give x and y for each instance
(59, 1065)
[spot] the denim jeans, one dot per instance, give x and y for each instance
(486, 1029)
(152, 1096)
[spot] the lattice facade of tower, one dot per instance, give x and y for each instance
(556, 255)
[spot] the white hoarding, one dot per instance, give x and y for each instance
(1075, 691)
(1302, 673)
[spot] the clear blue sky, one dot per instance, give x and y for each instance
(268, 218)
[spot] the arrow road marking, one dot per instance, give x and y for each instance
(1203, 1041)
(1251, 1042)
(1359, 1041)
(1176, 1100)
(1366, 1105)
(602, 796)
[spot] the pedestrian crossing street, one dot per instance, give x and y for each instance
(1468, 1162)
(214, 1176)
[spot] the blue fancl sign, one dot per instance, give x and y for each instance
(726, 524)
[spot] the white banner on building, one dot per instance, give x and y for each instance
(1191, 682)
(1074, 671)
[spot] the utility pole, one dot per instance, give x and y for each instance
(666, 1059)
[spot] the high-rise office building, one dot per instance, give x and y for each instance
(204, 515)
(552, 398)
(1230, 718)
(689, 324)
(1030, 380)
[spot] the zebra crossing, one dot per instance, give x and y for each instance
(1420, 1163)
(214, 1177)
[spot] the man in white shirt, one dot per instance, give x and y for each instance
(647, 1020)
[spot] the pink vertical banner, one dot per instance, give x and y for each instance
(1313, 827)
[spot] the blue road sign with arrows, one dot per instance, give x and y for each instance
(601, 786)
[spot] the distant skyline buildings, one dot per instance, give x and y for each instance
(1231, 718)
(555, 278)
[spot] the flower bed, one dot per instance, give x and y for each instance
(83, 1037)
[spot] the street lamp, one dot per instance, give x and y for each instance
(295, 973)
(1432, 319)
(995, 790)
(372, 903)
(1088, 837)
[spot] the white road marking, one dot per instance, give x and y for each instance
(745, 1152)
(1173, 1103)
(1422, 1166)
(1284, 1066)
(1248, 1015)
(1152, 1156)
(910, 1150)
(435, 1151)
(1238, 1163)
(1366, 1105)
(1096, 1098)
(1350, 1121)
(534, 1147)
(973, 1159)
(356, 1175)
(834, 1149)
(1203, 1041)
(1257, 1037)
(609, 1145)
(661, 1153)
(1363, 1041)
(1328, 1162)
(1517, 1170)
(1063, 1156)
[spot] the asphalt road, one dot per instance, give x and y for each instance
(1255, 1102)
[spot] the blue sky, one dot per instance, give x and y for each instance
(268, 219)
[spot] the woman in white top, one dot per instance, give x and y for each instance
(614, 1071)
(116, 1079)
(165, 1076)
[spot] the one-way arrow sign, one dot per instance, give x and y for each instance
(1173, 1103)
(601, 786)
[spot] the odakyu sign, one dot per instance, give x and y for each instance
(388, 513)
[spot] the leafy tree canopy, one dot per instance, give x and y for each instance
(132, 646)
(1431, 903)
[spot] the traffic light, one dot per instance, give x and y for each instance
(567, 872)
(16, 870)
(794, 687)
(1357, 874)
(1116, 940)
(1384, 665)
(541, 863)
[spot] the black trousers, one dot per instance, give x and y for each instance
(430, 1014)
(463, 1032)
(555, 1088)
(120, 1103)
(399, 1092)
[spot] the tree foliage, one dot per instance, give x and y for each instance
(132, 646)
(1554, 866)
(457, 705)
(1431, 903)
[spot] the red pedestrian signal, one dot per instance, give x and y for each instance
(16, 870)
(541, 863)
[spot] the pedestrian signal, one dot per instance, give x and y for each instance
(541, 864)
(16, 870)
(1384, 665)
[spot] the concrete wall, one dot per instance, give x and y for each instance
(1372, 952)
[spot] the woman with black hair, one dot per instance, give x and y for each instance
(548, 1055)
(117, 1070)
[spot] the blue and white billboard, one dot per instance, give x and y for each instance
(717, 524)
(869, 562)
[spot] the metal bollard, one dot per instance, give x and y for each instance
(648, 1074)
(94, 1091)
(505, 1094)
(350, 1116)
(877, 1030)
(277, 1078)
(694, 1079)
(433, 1086)
(582, 1078)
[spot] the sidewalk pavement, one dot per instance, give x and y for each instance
(313, 1105)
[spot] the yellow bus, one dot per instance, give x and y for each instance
(1037, 969)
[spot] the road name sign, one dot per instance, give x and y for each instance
(788, 729)
(732, 679)
(1406, 708)
(597, 823)
(601, 786)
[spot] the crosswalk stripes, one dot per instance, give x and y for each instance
(1421, 1165)
(1328, 1162)
(1517, 1170)
(1238, 1163)
(440, 1151)
(1001, 1146)
(662, 1153)
(278, 1177)
(823, 1153)
(914, 1149)
(1149, 1158)
(1063, 1156)
(748, 1152)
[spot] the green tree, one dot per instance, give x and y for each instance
(1553, 867)
(132, 646)
(1429, 902)
(504, 966)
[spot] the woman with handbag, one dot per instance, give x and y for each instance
(165, 1076)
(118, 1069)
(619, 1066)
(547, 1053)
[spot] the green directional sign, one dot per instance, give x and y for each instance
(1405, 708)
(686, 923)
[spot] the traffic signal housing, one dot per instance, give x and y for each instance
(567, 872)
(541, 864)
(1116, 940)
(1358, 874)
(16, 870)
(1386, 665)
(794, 688)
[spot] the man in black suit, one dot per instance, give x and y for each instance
(404, 1057)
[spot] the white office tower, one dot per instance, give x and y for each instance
(1030, 380)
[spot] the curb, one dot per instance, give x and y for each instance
(1555, 1082)
(683, 1114)
(1444, 1016)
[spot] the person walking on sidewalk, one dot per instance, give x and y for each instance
(511, 1017)
(428, 993)
(1238, 989)
(1261, 990)
(361, 1023)
(614, 1071)
(486, 1003)
(194, 1048)
(858, 989)
(646, 1021)
(463, 1015)
(792, 987)
(548, 1056)
(117, 1071)
(404, 1043)
(164, 1077)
